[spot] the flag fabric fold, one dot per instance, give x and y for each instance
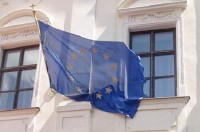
(106, 73)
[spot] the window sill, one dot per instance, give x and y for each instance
(145, 102)
(167, 112)
(26, 111)
(152, 111)
(18, 120)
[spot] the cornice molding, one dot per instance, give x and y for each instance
(18, 34)
(22, 13)
(130, 9)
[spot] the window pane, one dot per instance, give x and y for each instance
(164, 41)
(146, 89)
(164, 87)
(24, 99)
(12, 58)
(27, 79)
(8, 81)
(164, 65)
(30, 56)
(141, 43)
(145, 61)
(6, 100)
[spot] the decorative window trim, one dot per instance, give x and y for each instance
(17, 36)
(124, 7)
(23, 34)
(157, 19)
(21, 13)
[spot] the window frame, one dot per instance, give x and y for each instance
(19, 70)
(152, 53)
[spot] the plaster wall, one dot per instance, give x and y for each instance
(98, 19)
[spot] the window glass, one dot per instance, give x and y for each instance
(6, 100)
(141, 43)
(8, 81)
(30, 56)
(146, 89)
(145, 61)
(12, 58)
(164, 87)
(24, 99)
(17, 77)
(164, 41)
(157, 51)
(164, 65)
(27, 79)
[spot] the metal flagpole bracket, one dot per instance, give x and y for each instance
(51, 93)
(36, 19)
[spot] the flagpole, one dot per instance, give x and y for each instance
(36, 19)
(39, 35)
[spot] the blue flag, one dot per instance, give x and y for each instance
(107, 74)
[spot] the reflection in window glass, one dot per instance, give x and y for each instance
(8, 81)
(24, 99)
(141, 43)
(164, 65)
(146, 89)
(17, 77)
(157, 51)
(6, 100)
(145, 61)
(30, 56)
(164, 41)
(27, 79)
(164, 87)
(12, 58)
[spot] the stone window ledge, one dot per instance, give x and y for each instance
(18, 120)
(159, 114)
(167, 102)
(19, 112)
(70, 105)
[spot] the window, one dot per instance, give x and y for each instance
(17, 77)
(158, 56)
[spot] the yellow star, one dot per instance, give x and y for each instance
(94, 51)
(69, 67)
(108, 90)
(74, 56)
(83, 51)
(99, 95)
(79, 89)
(106, 56)
(114, 67)
(114, 80)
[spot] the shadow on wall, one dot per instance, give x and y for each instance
(68, 16)
(105, 24)
(194, 119)
(49, 120)
(106, 20)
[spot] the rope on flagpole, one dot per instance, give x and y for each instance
(53, 92)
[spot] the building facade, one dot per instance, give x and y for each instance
(164, 33)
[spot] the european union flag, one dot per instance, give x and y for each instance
(107, 74)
